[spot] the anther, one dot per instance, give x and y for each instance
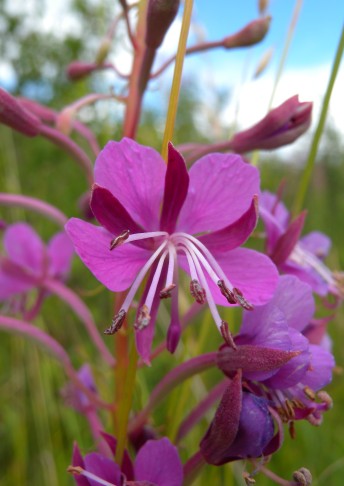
(226, 292)
(290, 409)
(227, 335)
(292, 431)
(75, 470)
(248, 478)
(197, 292)
(325, 398)
(116, 323)
(309, 393)
(166, 292)
(119, 239)
(143, 318)
(240, 299)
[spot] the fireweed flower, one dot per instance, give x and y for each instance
(27, 261)
(287, 393)
(302, 257)
(205, 215)
(157, 464)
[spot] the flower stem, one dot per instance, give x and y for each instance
(125, 406)
(192, 468)
(177, 76)
(306, 176)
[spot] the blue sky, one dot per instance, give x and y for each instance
(316, 35)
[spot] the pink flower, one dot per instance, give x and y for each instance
(150, 213)
(27, 262)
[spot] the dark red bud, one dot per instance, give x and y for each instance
(160, 15)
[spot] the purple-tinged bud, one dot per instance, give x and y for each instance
(279, 127)
(160, 15)
(42, 112)
(251, 34)
(15, 116)
(303, 477)
(77, 70)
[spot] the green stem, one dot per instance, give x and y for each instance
(306, 176)
(177, 76)
(125, 406)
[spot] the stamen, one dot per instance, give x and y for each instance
(325, 398)
(309, 393)
(240, 299)
(165, 293)
(227, 335)
(292, 431)
(197, 292)
(226, 292)
(155, 281)
(119, 239)
(79, 471)
(143, 318)
(116, 323)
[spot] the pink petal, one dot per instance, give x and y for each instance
(115, 269)
(176, 188)
(235, 234)
(248, 270)
(12, 284)
(221, 189)
(317, 243)
(60, 253)
(134, 174)
(25, 247)
(287, 241)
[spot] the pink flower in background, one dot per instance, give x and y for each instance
(27, 261)
(157, 217)
(300, 256)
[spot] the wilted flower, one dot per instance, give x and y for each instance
(302, 257)
(27, 262)
(243, 424)
(216, 201)
(157, 464)
(281, 126)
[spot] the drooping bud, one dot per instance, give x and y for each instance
(15, 116)
(279, 127)
(251, 34)
(77, 69)
(160, 15)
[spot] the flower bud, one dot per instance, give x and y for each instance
(160, 15)
(279, 127)
(77, 70)
(103, 51)
(15, 116)
(251, 34)
(303, 477)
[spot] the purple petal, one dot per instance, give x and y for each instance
(221, 189)
(25, 247)
(158, 461)
(235, 234)
(77, 460)
(307, 275)
(275, 217)
(287, 241)
(320, 369)
(110, 213)
(60, 253)
(134, 174)
(127, 466)
(294, 298)
(316, 243)
(14, 280)
(115, 269)
(255, 431)
(224, 427)
(176, 188)
(250, 271)
(102, 467)
(292, 372)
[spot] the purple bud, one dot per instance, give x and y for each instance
(173, 335)
(42, 112)
(15, 116)
(251, 34)
(160, 15)
(279, 127)
(77, 69)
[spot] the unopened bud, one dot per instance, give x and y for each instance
(303, 477)
(251, 34)
(15, 116)
(160, 15)
(78, 69)
(262, 6)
